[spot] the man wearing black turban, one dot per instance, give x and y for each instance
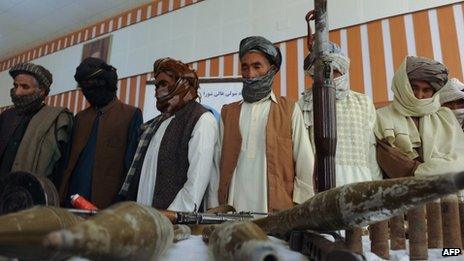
(104, 138)
(264, 154)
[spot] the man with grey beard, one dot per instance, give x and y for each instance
(34, 137)
(265, 160)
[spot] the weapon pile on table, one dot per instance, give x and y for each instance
(131, 231)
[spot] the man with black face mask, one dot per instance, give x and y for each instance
(34, 137)
(174, 159)
(104, 138)
(264, 154)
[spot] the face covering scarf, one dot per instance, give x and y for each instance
(27, 104)
(255, 89)
(179, 94)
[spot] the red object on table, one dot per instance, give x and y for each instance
(80, 202)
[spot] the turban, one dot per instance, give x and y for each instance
(428, 70)
(42, 75)
(94, 68)
(452, 91)
(176, 69)
(263, 45)
(339, 61)
(182, 91)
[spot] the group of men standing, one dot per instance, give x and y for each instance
(258, 157)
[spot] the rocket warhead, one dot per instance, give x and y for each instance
(240, 241)
(21, 233)
(124, 231)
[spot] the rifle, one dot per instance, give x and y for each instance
(325, 124)
(196, 218)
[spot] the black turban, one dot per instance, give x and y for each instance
(94, 68)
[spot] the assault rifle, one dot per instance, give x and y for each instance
(197, 218)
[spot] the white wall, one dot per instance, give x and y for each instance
(211, 28)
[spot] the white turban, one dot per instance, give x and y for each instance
(452, 91)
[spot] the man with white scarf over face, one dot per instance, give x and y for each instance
(355, 156)
(264, 156)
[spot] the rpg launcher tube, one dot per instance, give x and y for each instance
(397, 232)
(451, 224)
(434, 225)
(417, 234)
(378, 234)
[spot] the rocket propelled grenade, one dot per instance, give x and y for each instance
(21, 233)
(124, 231)
(239, 240)
(361, 204)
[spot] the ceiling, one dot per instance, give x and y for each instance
(27, 23)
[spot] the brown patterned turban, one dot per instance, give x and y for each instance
(184, 90)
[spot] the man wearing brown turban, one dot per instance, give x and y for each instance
(34, 137)
(174, 160)
(418, 136)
